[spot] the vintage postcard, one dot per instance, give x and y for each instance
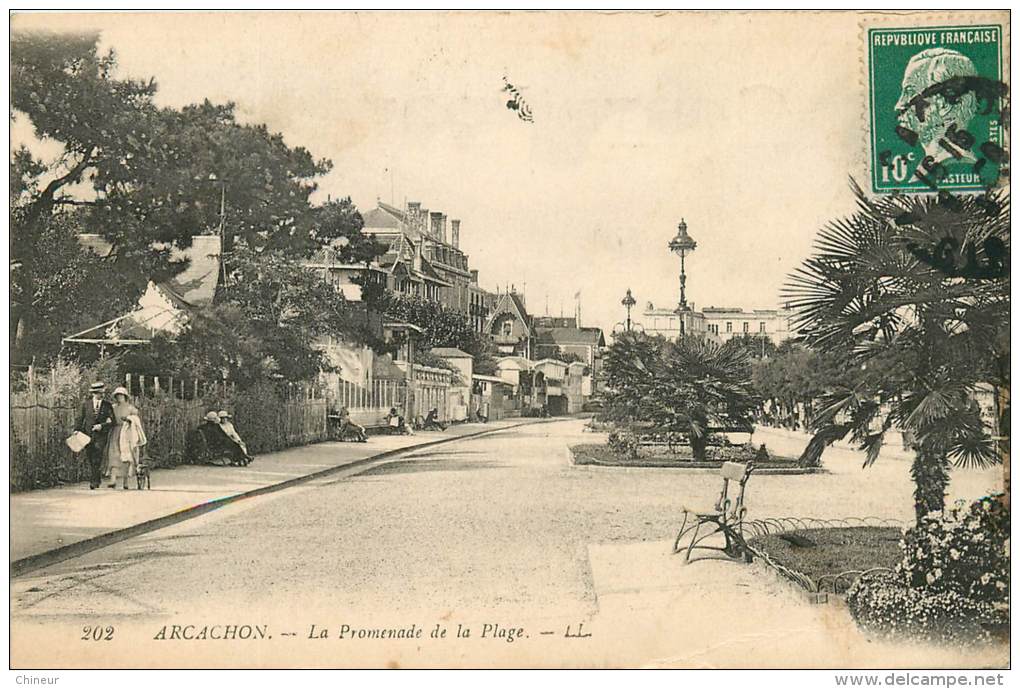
(511, 340)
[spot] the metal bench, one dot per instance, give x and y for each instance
(726, 517)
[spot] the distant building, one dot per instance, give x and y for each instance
(555, 336)
(425, 258)
(719, 323)
(422, 258)
(510, 326)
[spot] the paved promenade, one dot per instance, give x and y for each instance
(44, 520)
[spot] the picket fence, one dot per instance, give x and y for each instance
(267, 417)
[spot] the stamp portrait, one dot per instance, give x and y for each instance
(936, 107)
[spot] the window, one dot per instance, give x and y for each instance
(729, 326)
(761, 326)
(508, 328)
(746, 326)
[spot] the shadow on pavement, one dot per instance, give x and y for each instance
(415, 466)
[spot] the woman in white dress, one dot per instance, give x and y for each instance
(127, 438)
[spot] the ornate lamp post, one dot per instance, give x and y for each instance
(627, 326)
(682, 244)
(628, 302)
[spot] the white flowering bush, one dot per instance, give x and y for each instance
(952, 584)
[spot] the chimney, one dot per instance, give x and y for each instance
(442, 229)
(455, 233)
(436, 219)
(412, 221)
(416, 263)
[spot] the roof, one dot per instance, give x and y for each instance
(196, 284)
(428, 272)
(327, 257)
(512, 302)
(570, 336)
(383, 216)
(491, 379)
(392, 210)
(555, 322)
(552, 362)
(524, 364)
(450, 353)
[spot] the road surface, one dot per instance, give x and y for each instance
(541, 562)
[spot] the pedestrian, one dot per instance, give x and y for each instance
(126, 440)
(95, 419)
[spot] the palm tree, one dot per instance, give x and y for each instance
(916, 290)
(688, 387)
(701, 386)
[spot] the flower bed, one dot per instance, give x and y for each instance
(599, 454)
(952, 582)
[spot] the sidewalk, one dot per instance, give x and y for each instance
(43, 521)
(716, 613)
(792, 443)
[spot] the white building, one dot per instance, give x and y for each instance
(719, 323)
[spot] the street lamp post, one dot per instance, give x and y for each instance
(682, 244)
(628, 302)
(628, 326)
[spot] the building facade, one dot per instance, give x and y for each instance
(555, 336)
(510, 326)
(719, 323)
(424, 258)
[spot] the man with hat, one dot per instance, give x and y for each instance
(95, 419)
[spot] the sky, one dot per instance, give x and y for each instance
(745, 125)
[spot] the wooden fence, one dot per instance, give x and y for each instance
(268, 417)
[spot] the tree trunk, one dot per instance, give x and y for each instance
(930, 472)
(699, 445)
(20, 337)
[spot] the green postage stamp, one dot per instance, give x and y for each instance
(936, 103)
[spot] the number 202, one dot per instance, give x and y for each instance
(89, 633)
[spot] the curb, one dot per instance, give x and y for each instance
(47, 558)
(700, 469)
(891, 450)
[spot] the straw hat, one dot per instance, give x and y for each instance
(121, 391)
(224, 414)
(212, 416)
(97, 387)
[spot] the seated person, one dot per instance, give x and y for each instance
(395, 422)
(432, 421)
(227, 424)
(349, 428)
(209, 443)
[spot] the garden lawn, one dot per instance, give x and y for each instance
(836, 550)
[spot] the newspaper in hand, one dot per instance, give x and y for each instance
(78, 441)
